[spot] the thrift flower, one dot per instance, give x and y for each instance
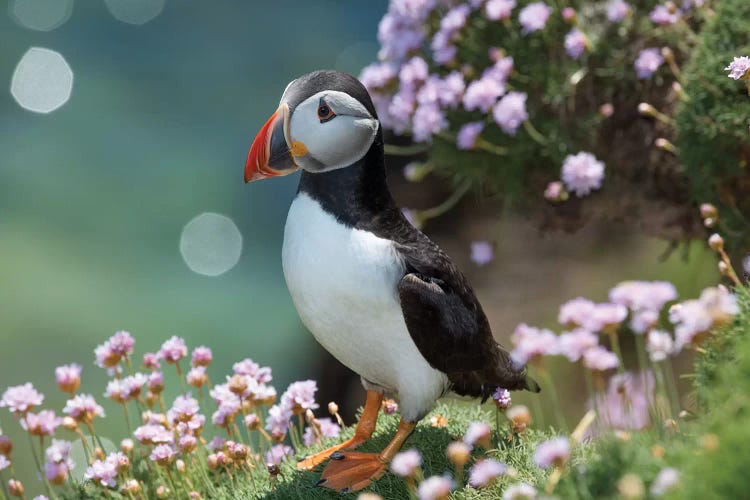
(4, 462)
(617, 10)
(279, 419)
(510, 112)
(625, 404)
(600, 359)
(532, 343)
(554, 452)
(497, 10)
(21, 398)
(406, 463)
(739, 68)
(328, 428)
(151, 361)
(413, 73)
(153, 434)
(83, 408)
(667, 480)
(569, 15)
(502, 398)
(390, 406)
(575, 343)
(163, 454)
(43, 423)
(659, 345)
(481, 252)
(173, 350)
(663, 15)
(485, 472)
(555, 191)
(121, 343)
(68, 377)
(648, 62)
(534, 17)
(576, 43)
(197, 376)
(435, 488)
(378, 75)
(643, 295)
(183, 409)
(252, 369)
(300, 396)
(427, 121)
(582, 173)
(520, 491)
(483, 93)
(278, 453)
(202, 356)
(468, 135)
(104, 472)
(478, 433)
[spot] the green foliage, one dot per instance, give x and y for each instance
(712, 126)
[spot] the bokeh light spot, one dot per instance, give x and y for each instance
(211, 244)
(135, 11)
(41, 15)
(42, 80)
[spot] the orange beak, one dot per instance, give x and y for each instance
(270, 154)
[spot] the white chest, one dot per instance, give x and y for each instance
(344, 284)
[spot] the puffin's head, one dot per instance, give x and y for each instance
(325, 121)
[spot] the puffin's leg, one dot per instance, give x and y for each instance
(365, 428)
(352, 471)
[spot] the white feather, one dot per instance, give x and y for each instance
(344, 282)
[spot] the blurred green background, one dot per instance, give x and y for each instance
(94, 198)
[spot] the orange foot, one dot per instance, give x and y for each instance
(312, 461)
(352, 471)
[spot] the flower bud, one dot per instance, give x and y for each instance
(438, 421)
(162, 492)
(131, 486)
(70, 424)
(519, 417)
(333, 408)
(389, 406)
(709, 222)
(194, 495)
(458, 453)
(606, 110)
(99, 453)
(212, 461)
(156, 382)
(252, 422)
(123, 464)
(127, 445)
(179, 464)
(631, 487)
(309, 417)
(709, 210)
(664, 144)
(6, 445)
(569, 15)
(237, 384)
(15, 488)
(716, 242)
(151, 399)
(668, 54)
(723, 268)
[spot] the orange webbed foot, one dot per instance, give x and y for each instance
(351, 471)
(312, 461)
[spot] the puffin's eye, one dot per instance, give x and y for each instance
(325, 113)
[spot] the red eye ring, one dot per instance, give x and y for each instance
(325, 113)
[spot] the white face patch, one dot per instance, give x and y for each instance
(337, 142)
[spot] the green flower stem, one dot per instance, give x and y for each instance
(96, 436)
(38, 463)
(591, 391)
(446, 205)
(490, 147)
(555, 399)
(534, 133)
(672, 386)
(127, 418)
(179, 375)
(615, 341)
(644, 366)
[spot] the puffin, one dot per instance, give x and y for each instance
(373, 290)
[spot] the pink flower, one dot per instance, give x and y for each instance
(151, 361)
(328, 428)
(390, 407)
(153, 434)
(125, 389)
(278, 453)
(510, 112)
(413, 73)
(483, 93)
(739, 68)
(252, 369)
(4, 462)
(443, 49)
(468, 135)
(497, 10)
(555, 191)
(484, 472)
(106, 356)
(173, 350)
(481, 252)
(599, 359)
(617, 10)
(202, 356)
(642, 320)
(582, 173)
(83, 408)
(451, 89)
(643, 295)
(666, 480)
(427, 121)
(659, 345)
(569, 14)
(576, 43)
(68, 377)
(534, 17)
(122, 343)
(43, 423)
(197, 376)
(21, 398)
(183, 409)
(554, 452)
(648, 62)
(406, 463)
(531, 343)
(300, 396)
(156, 382)
(58, 463)
(663, 15)
(279, 419)
(163, 454)
(478, 433)
(501, 69)
(188, 443)
(625, 405)
(520, 491)
(435, 488)
(103, 472)
(573, 344)
(378, 75)
(502, 398)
